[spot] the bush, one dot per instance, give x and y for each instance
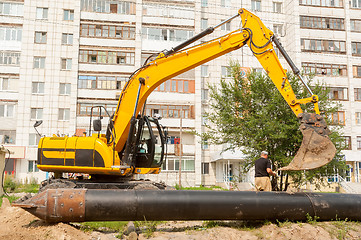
(9, 184)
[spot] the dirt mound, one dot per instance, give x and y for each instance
(18, 224)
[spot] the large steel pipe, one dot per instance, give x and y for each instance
(66, 205)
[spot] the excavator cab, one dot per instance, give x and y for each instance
(150, 144)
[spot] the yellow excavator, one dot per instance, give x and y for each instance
(135, 143)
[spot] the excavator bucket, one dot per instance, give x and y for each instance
(316, 149)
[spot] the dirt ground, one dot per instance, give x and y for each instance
(18, 224)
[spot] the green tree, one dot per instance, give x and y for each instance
(251, 114)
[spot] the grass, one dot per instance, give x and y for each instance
(311, 220)
(112, 226)
(11, 186)
(115, 226)
(147, 227)
(11, 199)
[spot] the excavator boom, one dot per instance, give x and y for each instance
(117, 153)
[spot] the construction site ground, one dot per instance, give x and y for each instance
(15, 223)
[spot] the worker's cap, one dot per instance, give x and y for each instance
(264, 153)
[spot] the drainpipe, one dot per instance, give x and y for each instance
(3, 152)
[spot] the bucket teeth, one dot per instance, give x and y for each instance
(316, 149)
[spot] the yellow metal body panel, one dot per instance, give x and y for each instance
(78, 154)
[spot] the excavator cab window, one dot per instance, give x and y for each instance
(150, 149)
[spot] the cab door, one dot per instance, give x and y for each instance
(150, 147)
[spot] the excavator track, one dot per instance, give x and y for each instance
(89, 184)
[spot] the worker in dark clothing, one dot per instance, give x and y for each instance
(262, 172)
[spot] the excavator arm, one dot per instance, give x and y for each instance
(316, 149)
(116, 153)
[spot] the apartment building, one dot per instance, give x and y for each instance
(60, 58)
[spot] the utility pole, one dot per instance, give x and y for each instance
(180, 150)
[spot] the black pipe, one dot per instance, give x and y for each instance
(65, 205)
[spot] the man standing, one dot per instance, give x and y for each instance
(262, 172)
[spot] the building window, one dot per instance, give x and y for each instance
(39, 62)
(64, 88)
(32, 166)
(277, 29)
(255, 5)
(356, 4)
(41, 13)
(356, 71)
(323, 3)
(168, 10)
(64, 114)
(225, 3)
(338, 93)
(170, 111)
(205, 168)
(346, 144)
(331, 46)
(10, 33)
(8, 83)
(277, 7)
(225, 71)
(67, 39)
(322, 23)
(204, 120)
(36, 113)
(226, 26)
(7, 110)
(7, 136)
(357, 94)
(172, 164)
(11, 9)
(84, 109)
(337, 118)
(204, 94)
(68, 15)
(107, 6)
(358, 142)
(204, 145)
(4, 84)
(358, 118)
(325, 69)
(166, 34)
(34, 139)
(107, 31)
(106, 57)
(204, 3)
(102, 82)
(355, 25)
(37, 87)
(204, 71)
(356, 48)
(66, 63)
(204, 23)
(177, 85)
(40, 37)
(9, 58)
